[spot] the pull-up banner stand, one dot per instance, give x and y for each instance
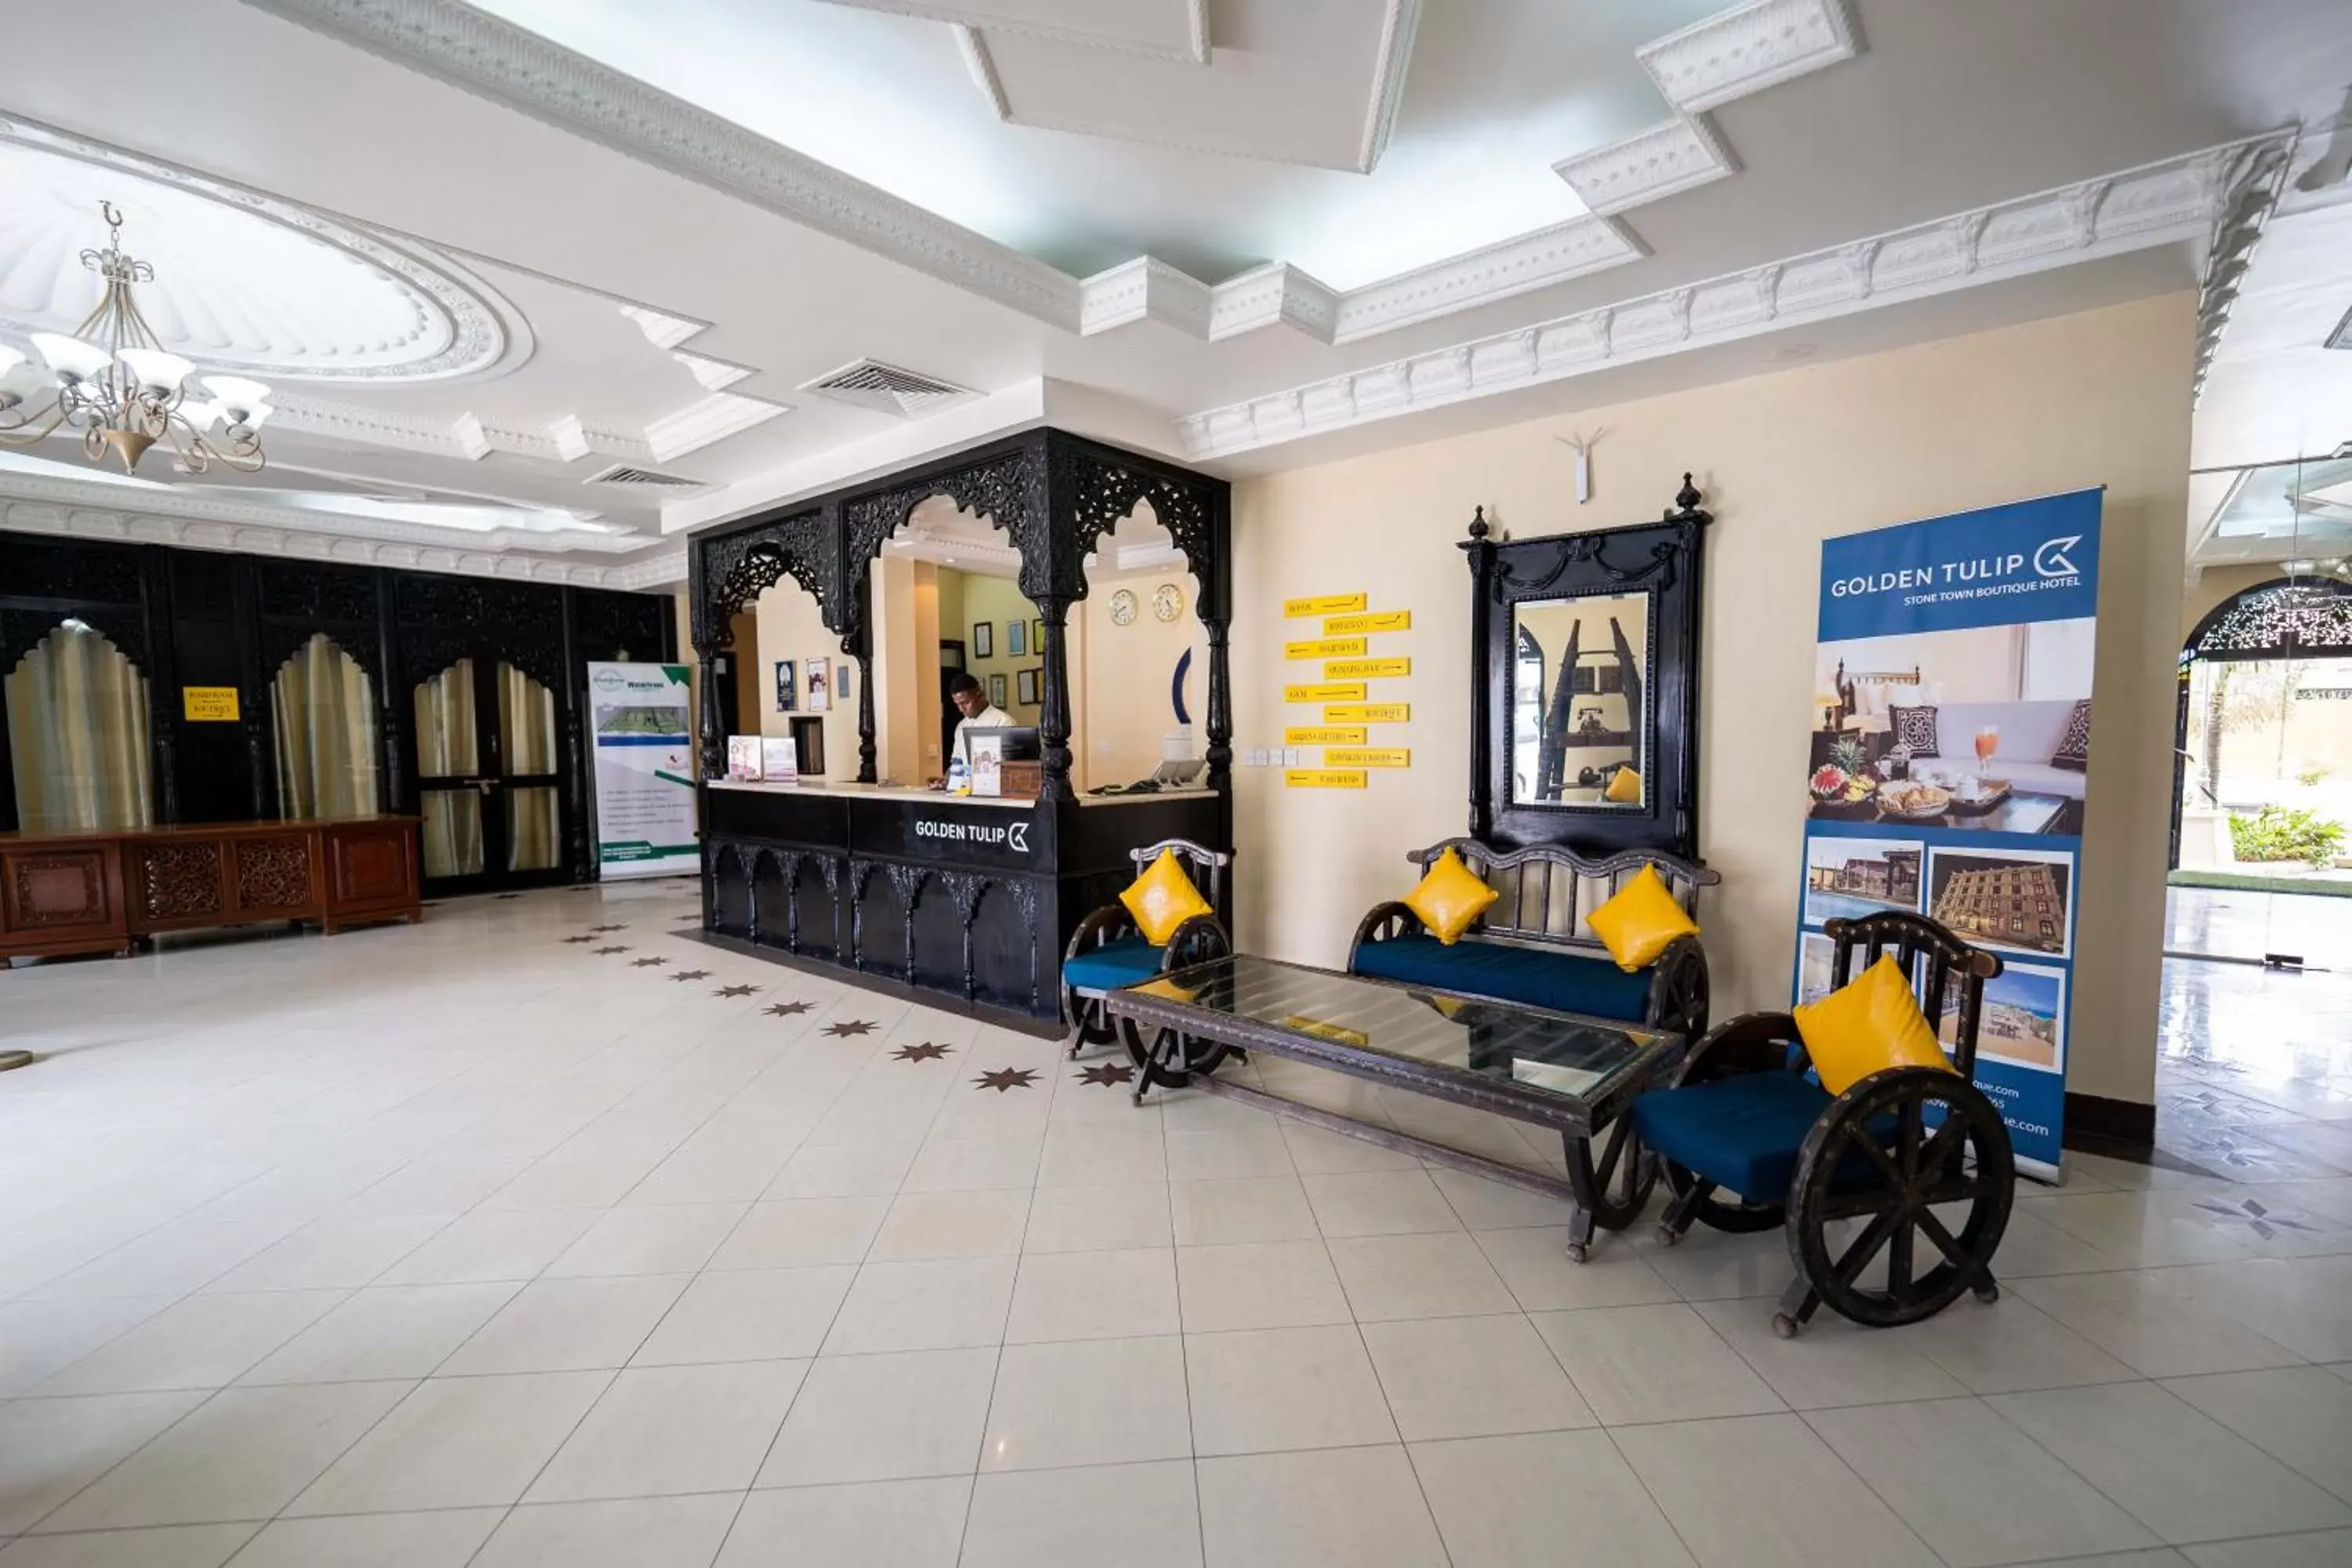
(1952, 714)
(645, 769)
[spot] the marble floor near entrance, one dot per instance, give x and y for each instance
(538, 1234)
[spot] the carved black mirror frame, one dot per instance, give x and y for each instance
(1660, 558)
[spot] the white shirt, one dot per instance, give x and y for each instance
(989, 718)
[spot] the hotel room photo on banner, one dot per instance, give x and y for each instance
(1948, 754)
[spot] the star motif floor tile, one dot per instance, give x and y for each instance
(842, 1031)
(647, 963)
(602, 952)
(736, 991)
(926, 1052)
(788, 1009)
(580, 939)
(2258, 1218)
(683, 975)
(1109, 1073)
(599, 930)
(1004, 1079)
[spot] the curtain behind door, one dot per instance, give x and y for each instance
(527, 742)
(77, 735)
(325, 707)
(451, 839)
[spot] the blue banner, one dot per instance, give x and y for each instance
(1949, 752)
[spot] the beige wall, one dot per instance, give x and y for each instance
(1121, 676)
(754, 682)
(1786, 460)
(791, 626)
(999, 602)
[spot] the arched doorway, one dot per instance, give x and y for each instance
(2262, 801)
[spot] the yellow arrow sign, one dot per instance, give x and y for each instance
(1326, 692)
(1324, 778)
(1361, 668)
(1366, 712)
(1370, 621)
(1321, 605)
(1324, 736)
(1377, 757)
(1323, 647)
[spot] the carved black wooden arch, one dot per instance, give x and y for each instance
(1053, 494)
(2303, 617)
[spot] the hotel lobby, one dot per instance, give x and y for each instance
(1197, 782)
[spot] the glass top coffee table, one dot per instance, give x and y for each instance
(1563, 1071)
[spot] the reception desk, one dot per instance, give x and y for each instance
(968, 901)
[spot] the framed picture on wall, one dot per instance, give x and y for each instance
(983, 639)
(842, 687)
(1016, 638)
(787, 685)
(996, 690)
(819, 694)
(1037, 636)
(1028, 689)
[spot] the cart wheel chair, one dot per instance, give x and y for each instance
(1108, 952)
(1911, 1163)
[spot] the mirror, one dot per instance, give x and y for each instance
(1581, 727)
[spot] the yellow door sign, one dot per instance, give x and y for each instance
(1374, 757)
(1323, 647)
(1362, 668)
(209, 704)
(1324, 736)
(1321, 605)
(1368, 713)
(1324, 691)
(1368, 621)
(1323, 778)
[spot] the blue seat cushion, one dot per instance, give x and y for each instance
(1739, 1133)
(1565, 981)
(1744, 1132)
(1113, 964)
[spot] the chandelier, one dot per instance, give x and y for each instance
(115, 382)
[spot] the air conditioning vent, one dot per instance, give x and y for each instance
(869, 383)
(623, 474)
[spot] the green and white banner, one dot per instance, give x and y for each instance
(645, 769)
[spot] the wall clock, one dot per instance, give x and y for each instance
(1169, 602)
(1122, 608)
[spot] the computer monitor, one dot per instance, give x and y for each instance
(1020, 742)
(1178, 772)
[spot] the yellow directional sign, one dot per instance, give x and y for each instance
(1370, 621)
(1374, 757)
(1321, 605)
(1366, 712)
(1362, 669)
(1323, 647)
(1324, 778)
(1326, 692)
(1324, 736)
(213, 704)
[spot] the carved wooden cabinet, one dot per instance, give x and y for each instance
(66, 893)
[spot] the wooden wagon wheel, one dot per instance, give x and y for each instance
(1756, 1043)
(1197, 941)
(1090, 1024)
(1612, 1193)
(1893, 1149)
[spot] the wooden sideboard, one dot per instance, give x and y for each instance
(101, 892)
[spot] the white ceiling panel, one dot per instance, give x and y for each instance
(1174, 29)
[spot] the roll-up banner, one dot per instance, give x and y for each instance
(645, 769)
(1950, 743)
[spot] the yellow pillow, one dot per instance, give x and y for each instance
(1162, 899)
(1450, 898)
(1639, 921)
(1866, 1026)
(1625, 788)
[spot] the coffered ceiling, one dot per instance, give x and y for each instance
(492, 253)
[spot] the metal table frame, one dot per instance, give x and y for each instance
(1607, 1195)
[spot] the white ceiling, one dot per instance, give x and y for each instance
(679, 216)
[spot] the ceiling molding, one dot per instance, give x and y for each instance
(1536, 260)
(1749, 49)
(1276, 294)
(1195, 50)
(2254, 183)
(714, 418)
(210, 511)
(522, 72)
(2157, 203)
(479, 332)
(1400, 23)
(254, 539)
(1680, 155)
(983, 66)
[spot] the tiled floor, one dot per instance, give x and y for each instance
(467, 1244)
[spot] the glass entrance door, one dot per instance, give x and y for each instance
(489, 779)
